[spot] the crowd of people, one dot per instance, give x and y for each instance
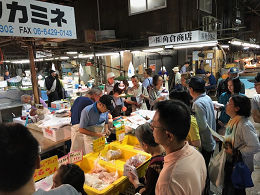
(179, 138)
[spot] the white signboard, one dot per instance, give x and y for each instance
(180, 38)
(29, 18)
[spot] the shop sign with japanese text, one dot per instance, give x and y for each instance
(181, 38)
(36, 19)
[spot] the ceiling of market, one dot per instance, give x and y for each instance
(16, 47)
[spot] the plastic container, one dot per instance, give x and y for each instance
(126, 153)
(87, 164)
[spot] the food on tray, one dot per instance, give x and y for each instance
(100, 178)
(113, 154)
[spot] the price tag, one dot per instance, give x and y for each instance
(99, 144)
(120, 133)
(76, 156)
(63, 160)
(48, 167)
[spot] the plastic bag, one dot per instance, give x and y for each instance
(216, 169)
(136, 160)
(113, 154)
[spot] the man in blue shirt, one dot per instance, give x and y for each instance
(80, 103)
(184, 67)
(212, 81)
(204, 114)
(93, 124)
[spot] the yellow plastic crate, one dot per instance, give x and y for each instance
(87, 164)
(127, 153)
(130, 141)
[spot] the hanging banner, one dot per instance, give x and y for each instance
(180, 38)
(36, 19)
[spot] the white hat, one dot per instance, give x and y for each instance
(175, 69)
(110, 75)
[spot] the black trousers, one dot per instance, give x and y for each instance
(52, 97)
(207, 155)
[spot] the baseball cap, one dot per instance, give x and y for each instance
(256, 79)
(234, 70)
(51, 71)
(110, 75)
(108, 101)
(197, 83)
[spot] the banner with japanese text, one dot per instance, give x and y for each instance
(36, 19)
(183, 37)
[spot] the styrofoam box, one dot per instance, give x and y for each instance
(56, 134)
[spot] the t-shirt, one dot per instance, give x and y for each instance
(147, 82)
(184, 173)
(91, 116)
(64, 189)
(79, 104)
(137, 92)
(212, 80)
(193, 134)
(255, 102)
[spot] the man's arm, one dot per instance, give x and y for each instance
(90, 133)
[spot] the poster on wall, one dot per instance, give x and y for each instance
(32, 18)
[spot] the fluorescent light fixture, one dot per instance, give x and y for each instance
(56, 58)
(168, 46)
(135, 52)
(20, 61)
(196, 45)
(64, 58)
(7, 61)
(153, 50)
(75, 57)
(38, 60)
(82, 56)
(224, 46)
(72, 52)
(246, 44)
(245, 48)
(236, 42)
(108, 54)
(48, 59)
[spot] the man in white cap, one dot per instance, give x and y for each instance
(177, 78)
(110, 82)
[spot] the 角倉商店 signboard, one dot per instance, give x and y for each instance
(29, 18)
(182, 38)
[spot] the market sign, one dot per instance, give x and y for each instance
(99, 144)
(36, 19)
(181, 38)
(47, 167)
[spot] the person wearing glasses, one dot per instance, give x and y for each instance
(93, 124)
(184, 170)
(256, 100)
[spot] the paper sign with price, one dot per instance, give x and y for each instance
(64, 160)
(120, 133)
(48, 167)
(99, 144)
(76, 156)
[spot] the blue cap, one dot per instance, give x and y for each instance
(234, 70)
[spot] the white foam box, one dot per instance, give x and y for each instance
(56, 134)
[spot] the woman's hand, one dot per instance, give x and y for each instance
(133, 179)
(228, 148)
(124, 109)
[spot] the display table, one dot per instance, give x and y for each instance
(46, 144)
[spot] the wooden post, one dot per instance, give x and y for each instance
(33, 75)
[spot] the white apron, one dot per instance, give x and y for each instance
(80, 141)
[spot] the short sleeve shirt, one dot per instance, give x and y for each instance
(91, 116)
(255, 102)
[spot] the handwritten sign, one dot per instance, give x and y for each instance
(75, 156)
(64, 160)
(99, 144)
(48, 167)
(120, 133)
